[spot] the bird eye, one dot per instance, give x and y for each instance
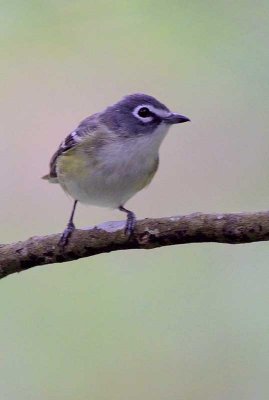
(144, 112)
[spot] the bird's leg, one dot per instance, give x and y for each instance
(69, 229)
(130, 222)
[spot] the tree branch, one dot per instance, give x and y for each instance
(149, 233)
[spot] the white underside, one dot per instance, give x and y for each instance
(125, 171)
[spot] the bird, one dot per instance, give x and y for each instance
(112, 155)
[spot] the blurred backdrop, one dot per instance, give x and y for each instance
(185, 322)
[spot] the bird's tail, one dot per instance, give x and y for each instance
(51, 179)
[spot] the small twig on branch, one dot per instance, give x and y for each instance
(149, 233)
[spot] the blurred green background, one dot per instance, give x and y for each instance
(185, 322)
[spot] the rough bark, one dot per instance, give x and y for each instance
(149, 233)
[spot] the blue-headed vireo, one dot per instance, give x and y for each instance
(112, 155)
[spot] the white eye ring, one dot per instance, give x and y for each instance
(143, 119)
(161, 113)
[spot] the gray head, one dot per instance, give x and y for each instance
(139, 114)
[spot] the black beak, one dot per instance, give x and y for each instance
(174, 118)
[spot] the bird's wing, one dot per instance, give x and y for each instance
(85, 129)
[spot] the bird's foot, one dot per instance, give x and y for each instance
(64, 239)
(130, 223)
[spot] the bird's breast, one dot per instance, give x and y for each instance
(111, 175)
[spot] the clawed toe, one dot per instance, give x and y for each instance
(66, 235)
(130, 224)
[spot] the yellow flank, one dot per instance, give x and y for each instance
(72, 165)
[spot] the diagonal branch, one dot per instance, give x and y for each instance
(149, 233)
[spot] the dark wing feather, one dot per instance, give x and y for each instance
(84, 129)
